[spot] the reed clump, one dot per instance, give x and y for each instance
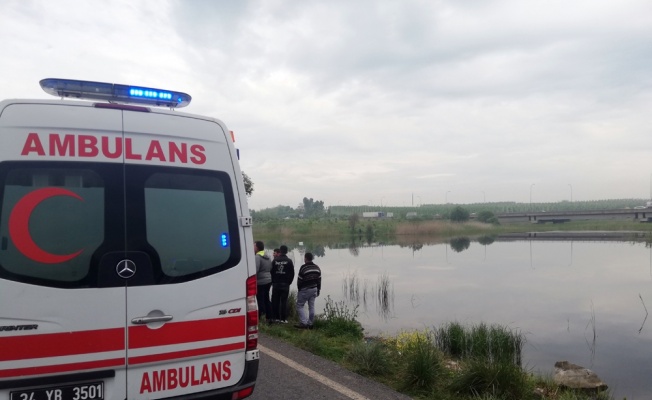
(357, 291)
(494, 343)
(439, 228)
(422, 366)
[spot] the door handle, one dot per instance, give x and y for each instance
(149, 320)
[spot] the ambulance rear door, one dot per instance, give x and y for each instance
(62, 330)
(183, 264)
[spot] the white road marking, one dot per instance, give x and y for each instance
(314, 375)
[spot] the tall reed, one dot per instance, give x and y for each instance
(385, 295)
(382, 293)
(494, 343)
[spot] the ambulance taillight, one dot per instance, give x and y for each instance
(244, 393)
(252, 314)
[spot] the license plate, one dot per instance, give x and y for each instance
(82, 391)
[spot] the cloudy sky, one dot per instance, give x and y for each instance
(370, 102)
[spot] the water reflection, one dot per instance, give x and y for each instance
(593, 314)
(591, 340)
(357, 292)
(646, 314)
(353, 248)
(368, 238)
(460, 244)
(486, 240)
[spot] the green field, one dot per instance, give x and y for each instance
(428, 223)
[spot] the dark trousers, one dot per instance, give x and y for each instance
(280, 293)
(264, 304)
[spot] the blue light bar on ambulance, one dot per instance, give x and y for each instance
(114, 93)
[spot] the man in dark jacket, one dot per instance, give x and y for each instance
(309, 285)
(282, 277)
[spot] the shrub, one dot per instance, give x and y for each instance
(370, 358)
(338, 319)
(421, 362)
(459, 214)
(451, 339)
(502, 379)
(487, 217)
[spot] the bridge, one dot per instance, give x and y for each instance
(557, 217)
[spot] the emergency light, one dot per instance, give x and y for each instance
(114, 93)
(224, 240)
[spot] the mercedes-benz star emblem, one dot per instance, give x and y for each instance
(125, 269)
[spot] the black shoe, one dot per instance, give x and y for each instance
(301, 326)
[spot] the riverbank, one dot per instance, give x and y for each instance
(453, 362)
(408, 230)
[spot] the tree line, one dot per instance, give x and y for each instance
(311, 208)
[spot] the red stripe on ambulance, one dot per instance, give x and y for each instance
(187, 332)
(186, 354)
(58, 368)
(105, 340)
(61, 344)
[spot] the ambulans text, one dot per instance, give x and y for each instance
(173, 378)
(88, 146)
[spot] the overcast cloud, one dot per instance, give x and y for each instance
(363, 102)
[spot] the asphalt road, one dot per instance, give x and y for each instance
(318, 378)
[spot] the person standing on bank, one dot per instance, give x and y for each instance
(282, 277)
(263, 281)
(309, 286)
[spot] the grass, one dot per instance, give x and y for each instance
(498, 378)
(452, 362)
(422, 364)
(278, 231)
(370, 358)
(338, 320)
(493, 343)
(441, 228)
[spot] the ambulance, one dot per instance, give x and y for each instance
(126, 252)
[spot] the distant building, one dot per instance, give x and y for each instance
(411, 214)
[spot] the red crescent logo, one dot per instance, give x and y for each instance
(19, 226)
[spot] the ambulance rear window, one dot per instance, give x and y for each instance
(70, 224)
(52, 221)
(186, 218)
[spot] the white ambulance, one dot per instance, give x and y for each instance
(126, 268)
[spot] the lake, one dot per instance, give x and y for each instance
(582, 300)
